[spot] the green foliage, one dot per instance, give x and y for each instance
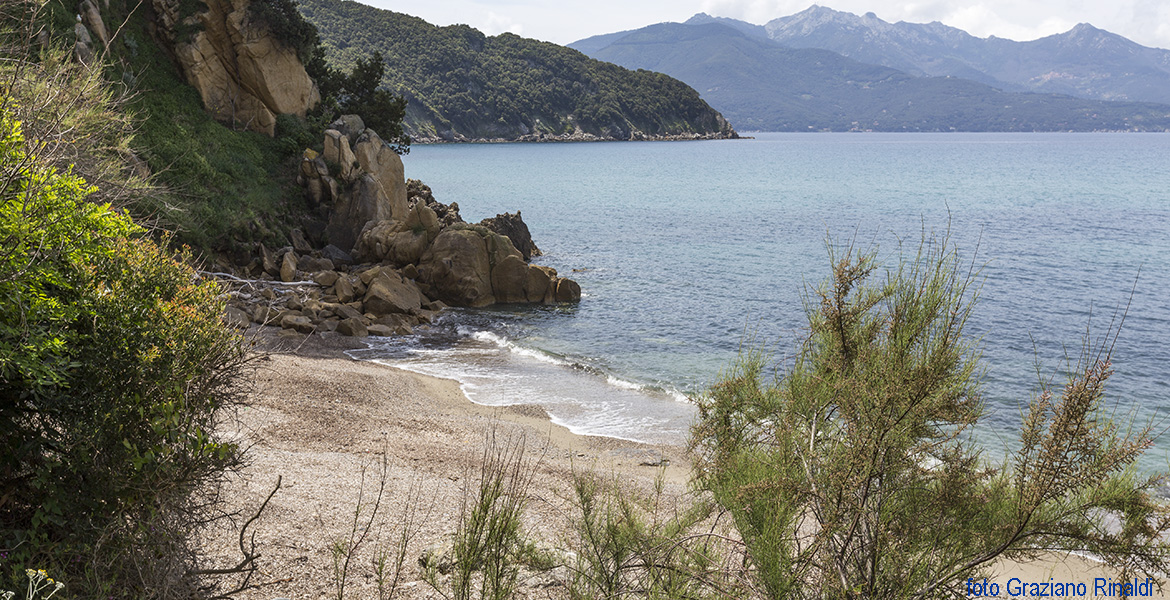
(360, 92)
(853, 476)
(113, 366)
(489, 544)
(222, 189)
(114, 362)
(286, 25)
(459, 81)
(625, 547)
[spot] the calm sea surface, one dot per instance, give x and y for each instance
(684, 249)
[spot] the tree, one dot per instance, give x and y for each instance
(853, 474)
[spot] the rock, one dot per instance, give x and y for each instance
(268, 262)
(343, 289)
(293, 302)
(513, 227)
(299, 243)
(380, 160)
(338, 152)
(456, 267)
(540, 287)
(82, 34)
(311, 264)
(326, 278)
(337, 255)
(568, 290)
(261, 314)
(244, 74)
(500, 247)
(288, 267)
(380, 330)
(510, 280)
(346, 311)
(418, 192)
(397, 323)
(93, 19)
(410, 272)
(389, 294)
(328, 325)
(235, 317)
(352, 327)
(366, 201)
(83, 53)
(301, 324)
(351, 126)
(435, 305)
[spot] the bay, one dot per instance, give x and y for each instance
(685, 251)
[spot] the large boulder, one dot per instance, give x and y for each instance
(541, 284)
(365, 202)
(513, 227)
(338, 152)
(351, 126)
(510, 280)
(388, 293)
(244, 75)
(457, 268)
(380, 160)
(399, 242)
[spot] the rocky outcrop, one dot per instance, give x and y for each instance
(472, 266)
(358, 182)
(513, 227)
(373, 212)
(417, 191)
(244, 75)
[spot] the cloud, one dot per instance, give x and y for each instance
(495, 24)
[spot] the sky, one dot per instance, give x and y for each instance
(564, 21)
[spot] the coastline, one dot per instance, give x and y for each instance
(321, 421)
(316, 418)
(546, 138)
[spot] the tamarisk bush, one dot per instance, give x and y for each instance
(853, 475)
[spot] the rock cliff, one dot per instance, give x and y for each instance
(244, 74)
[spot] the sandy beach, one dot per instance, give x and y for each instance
(322, 423)
(319, 420)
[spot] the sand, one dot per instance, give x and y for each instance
(323, 424)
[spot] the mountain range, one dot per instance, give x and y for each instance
(825, 69)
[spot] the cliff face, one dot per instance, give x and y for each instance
(244, 75)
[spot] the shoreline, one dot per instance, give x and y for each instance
(317, 418)
(321, 421)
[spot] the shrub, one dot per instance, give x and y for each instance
(853, 475)
(114, 362)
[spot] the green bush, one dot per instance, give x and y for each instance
(853, 475)
(114, 366)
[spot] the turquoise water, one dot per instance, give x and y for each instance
(683, 247)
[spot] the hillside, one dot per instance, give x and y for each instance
(461, 84)
(759, 84)
(1085, 61)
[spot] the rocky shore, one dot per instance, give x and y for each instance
(578, 136)
(386, 256)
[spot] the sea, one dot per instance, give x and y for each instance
(688, 253)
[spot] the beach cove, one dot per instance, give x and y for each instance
(321, 421)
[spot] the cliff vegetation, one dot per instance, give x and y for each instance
(462, 84)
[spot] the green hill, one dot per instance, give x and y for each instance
(461, 84)
(759, 84)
